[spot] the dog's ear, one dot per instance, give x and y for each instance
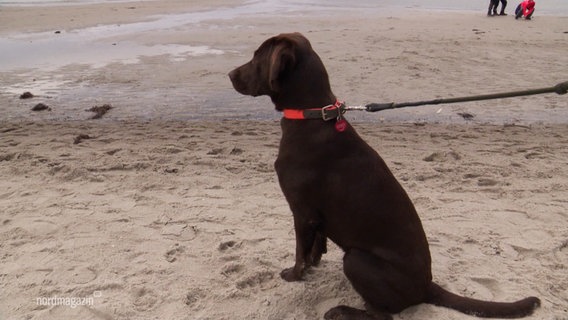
(282, 59)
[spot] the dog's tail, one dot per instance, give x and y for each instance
(485, 309)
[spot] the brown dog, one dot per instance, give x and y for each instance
(339, 188)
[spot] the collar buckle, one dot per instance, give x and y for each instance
(326, 113)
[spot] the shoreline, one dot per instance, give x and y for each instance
(77, 16)
(548, 8)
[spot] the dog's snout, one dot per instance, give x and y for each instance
(233, 74)
(239, 84)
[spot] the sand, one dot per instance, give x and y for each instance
(163, 210)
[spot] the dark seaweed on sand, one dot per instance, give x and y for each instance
(100, 110)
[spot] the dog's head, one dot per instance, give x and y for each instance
(287, 69)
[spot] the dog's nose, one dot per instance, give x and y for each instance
(233, 74)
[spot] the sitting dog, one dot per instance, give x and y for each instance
(339, 188)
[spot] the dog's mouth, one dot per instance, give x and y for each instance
(242, 89)
(242, 86)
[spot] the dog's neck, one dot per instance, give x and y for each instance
(306, 87)
(302, 101)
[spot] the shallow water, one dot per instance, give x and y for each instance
(52, 51)
(48, 51)
(552, 7)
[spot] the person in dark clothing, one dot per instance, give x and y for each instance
(503, 6)
(492, 11)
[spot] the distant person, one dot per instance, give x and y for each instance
(492, 11)
(503, 6)
(525, 9)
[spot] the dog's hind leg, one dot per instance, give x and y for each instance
(384, 288)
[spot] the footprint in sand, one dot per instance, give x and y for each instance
(144, 299)
(83, 275)
(260, 280)
(250, 278)
(230, 267)
(442, 156)
(172, 254)
(227, 245)
(179, 231)
(193, 297)
(485, 287)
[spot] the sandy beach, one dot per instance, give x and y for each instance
(168, 206)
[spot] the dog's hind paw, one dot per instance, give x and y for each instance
(348, 313)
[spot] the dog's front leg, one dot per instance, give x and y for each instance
(310, 245)
(318, 249)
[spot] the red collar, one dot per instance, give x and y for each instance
(332, 111)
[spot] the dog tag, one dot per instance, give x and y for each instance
(340, 125)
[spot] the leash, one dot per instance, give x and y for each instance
(561, 88)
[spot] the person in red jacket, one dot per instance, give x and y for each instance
(526, 9)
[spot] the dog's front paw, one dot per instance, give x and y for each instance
(291, 274)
